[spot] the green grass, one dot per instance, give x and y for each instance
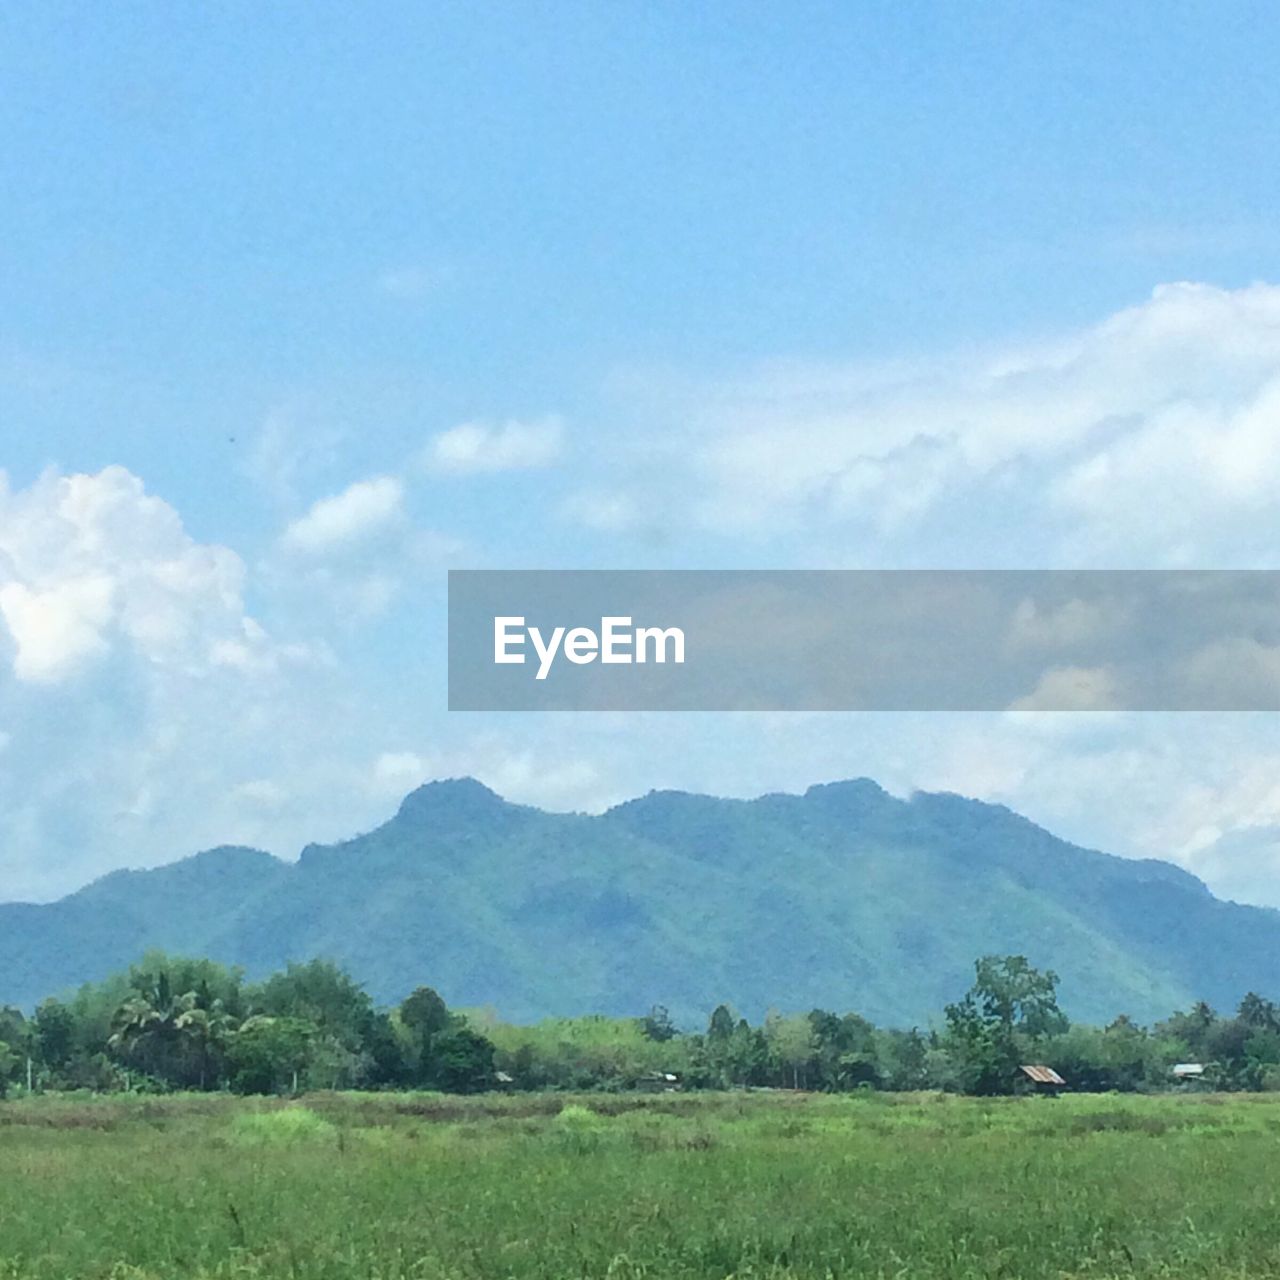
(400, 1186)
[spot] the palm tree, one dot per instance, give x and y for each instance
(178, 1038)
(204, 1032)
(1257, 1012)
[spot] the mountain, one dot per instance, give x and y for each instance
(845, 897)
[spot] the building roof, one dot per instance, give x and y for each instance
(1041, 1074)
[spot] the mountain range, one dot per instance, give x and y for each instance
(845, 897)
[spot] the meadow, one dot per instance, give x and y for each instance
(669, 1186)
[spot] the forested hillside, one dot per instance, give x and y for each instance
(844, 897)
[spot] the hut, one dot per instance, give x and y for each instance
(1042, 1079)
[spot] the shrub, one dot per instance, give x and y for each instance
(283, 1125)
(579, 1128)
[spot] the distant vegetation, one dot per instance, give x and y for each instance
(172, 1024)
(755, 1186)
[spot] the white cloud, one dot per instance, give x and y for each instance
(357, 513)
(136, 691)
(92, 563)
(1151, 438)
(58, 629)
(1187, 473)
(395, 773)
(511, 446)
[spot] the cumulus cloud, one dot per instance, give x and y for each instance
(350, 558)
(510, 446)
(55, 630)
(93, 563)
(359, 512)
(1149, 438)
(136, 689)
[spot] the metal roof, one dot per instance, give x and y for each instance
(1041, 1074)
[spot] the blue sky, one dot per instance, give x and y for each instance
(304, 304)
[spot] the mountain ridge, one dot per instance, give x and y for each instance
(844, 896)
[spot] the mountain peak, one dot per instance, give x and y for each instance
(850, 797)
(454, 796)
(458, 807)
(847, 788)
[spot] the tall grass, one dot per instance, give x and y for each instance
(669, 1187)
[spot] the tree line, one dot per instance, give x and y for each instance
(170, 1023)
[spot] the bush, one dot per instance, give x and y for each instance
(579, 1128)
(283, 1125)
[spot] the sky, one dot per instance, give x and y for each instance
(305, 304)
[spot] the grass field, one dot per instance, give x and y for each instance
(745, 1185)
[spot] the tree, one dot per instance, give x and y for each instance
(321, 993)
(1010, 1009)
(731, 1054)
(424, 1013)
(902, 1057)
(983, 1056)
(746, 1055)
(720, 1028)
(792, 1047)
(657, 1025)
(16, 1037)
(844, 1050)
(384, 1052)
(54, 1034)
(14, 1030)
(1258, 1014)
(9, 1062)
(424, 1017)
(1125, 1054)
(175, 1022)
(462, 1060)
(163, 1035)
(1190, 1030)
(268, 1055)
(1016, 995)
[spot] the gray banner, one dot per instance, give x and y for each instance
(869, 640)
